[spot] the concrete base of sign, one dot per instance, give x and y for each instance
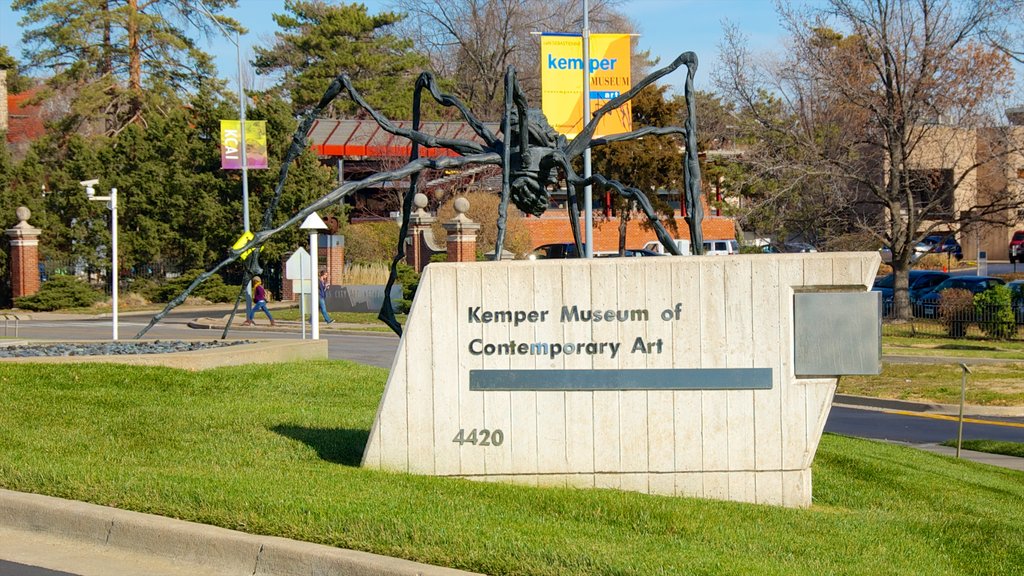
(706, 436)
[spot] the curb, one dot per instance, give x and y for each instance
(927, 408)
(285, 326)
(901, 359)
(209, 546)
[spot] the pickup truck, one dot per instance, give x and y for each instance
(1017, 247)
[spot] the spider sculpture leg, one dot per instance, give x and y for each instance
(328, 199)
(506, 156)
(426, 80)
(579, 183)
(691, 165)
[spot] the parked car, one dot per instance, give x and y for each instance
(928, 304)
(721, 247)
(1017, 247)
(944, 244)
(558, 250)
(656, 246)
(629, 253)
(1017, 292)
(920, 249)
(919, 283)
(798, 247)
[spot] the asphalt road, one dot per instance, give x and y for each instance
(919, 428)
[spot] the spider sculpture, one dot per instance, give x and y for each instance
(533, 158)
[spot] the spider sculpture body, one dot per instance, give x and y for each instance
(533, 157)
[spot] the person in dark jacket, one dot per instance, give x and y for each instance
(323, 297)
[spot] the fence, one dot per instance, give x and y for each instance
(987, 323)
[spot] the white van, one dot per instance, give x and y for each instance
(721, 247)
(655, 246)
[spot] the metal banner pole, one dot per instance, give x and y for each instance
(588, 196)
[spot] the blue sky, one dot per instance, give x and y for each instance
(667, 27)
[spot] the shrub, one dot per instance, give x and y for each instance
(213, 289)
(60, 292)
(410, 280)
(371, 242)
(956, 310)
(994, 308)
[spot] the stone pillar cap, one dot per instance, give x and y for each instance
(23, 229)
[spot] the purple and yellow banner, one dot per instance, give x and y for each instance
(231, 144)
(561, 77)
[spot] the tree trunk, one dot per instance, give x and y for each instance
(134, 62)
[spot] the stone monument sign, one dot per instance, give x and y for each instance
(697, 376)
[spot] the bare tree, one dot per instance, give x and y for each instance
(889, 119)
(471, 42)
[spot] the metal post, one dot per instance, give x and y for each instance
(588, 197)
(963, 397)
(314, 295)
(113, 257)
(241, 127)
(111, 201)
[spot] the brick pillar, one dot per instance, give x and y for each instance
(333, 259)
(24, 239)
(286, 285)
(417, 252)
(461, 234)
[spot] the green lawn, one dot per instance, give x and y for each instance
(922, 345)
(987, 385)
(991, 446)
(275, 450)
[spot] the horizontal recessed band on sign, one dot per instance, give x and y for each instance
(626, 379)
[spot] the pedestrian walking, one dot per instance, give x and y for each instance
(259, 296)
(323, 297)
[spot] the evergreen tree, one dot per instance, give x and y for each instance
(318, 41)
(16, 81)
(117, 60)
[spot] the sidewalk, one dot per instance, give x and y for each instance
(261, 323)
(89, 539)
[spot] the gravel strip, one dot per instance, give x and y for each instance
(114, 348)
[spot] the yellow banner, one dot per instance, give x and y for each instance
(561, 76)
(231, 144)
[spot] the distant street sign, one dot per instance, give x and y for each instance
(296, 269)
(297, 266)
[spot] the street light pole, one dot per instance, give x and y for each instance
(241, 113)
(241, 133)
(588, 195)
(111, 201)
(314, 224)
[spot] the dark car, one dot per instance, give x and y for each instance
(548, 251)
(1017, 299)
(919, 283)
(944, 245)
(928, 304)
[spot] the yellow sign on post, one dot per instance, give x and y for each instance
(561, 75)
(242, 241)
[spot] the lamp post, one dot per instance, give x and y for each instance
(588, 195)
(313, 223)
(90, 192)
(241, 113)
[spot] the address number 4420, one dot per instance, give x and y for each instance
(481, 437)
